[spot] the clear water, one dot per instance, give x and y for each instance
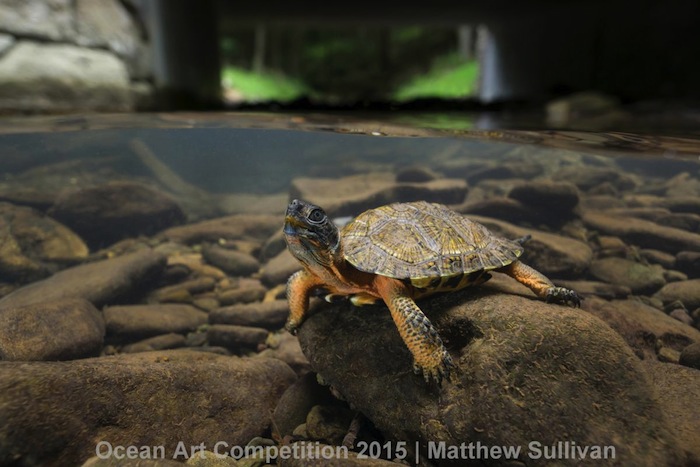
(214, 166)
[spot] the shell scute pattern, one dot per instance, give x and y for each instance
(423, 240)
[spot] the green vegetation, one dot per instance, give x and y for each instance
(346, 65)
(262, 86)
(449, 78)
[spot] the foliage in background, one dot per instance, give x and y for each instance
(348, 65)
(450, 78)
(262, 86)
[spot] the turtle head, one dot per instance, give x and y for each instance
(311, 235)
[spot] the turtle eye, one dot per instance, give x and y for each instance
(317, 216)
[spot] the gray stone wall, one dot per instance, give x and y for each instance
(72, 55)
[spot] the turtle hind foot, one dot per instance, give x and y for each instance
(438, 373)
(563, 296)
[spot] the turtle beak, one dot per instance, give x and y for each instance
(291, 225)
(292, 219)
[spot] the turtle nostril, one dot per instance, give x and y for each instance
(293, 206)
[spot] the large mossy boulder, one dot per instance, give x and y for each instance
(526, 371)
(55, 414)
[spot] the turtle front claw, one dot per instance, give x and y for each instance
(563, 296)
(292, 327)
(438, 373)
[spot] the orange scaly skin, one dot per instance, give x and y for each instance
(420, 336)
(538, 283)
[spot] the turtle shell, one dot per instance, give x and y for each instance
(420, 241)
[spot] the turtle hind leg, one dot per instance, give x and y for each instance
(543, 287)
(420, 336)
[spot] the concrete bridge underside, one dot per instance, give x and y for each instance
(636, 50)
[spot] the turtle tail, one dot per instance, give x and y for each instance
(523, 240)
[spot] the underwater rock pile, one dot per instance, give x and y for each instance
(171, 330)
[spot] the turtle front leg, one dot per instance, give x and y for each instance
(299, 288)
(420, 336)
(543, 287)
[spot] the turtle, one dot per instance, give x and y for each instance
(400, 253)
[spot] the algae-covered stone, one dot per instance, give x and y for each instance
(678, 390)
(31, 243)
(642, 326)
(54, 413)
(525, 371)
(687, 292)
(639, 277)
(57, 330)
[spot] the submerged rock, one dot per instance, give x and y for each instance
(601, 289)
(640, 278)
(183, 291)
(328, 423)
(416, 174)
(675, 387)
(554, 198)
(245, 293)
(349, 196)
(54, 413)
(104, 214)
(285, 347)
(59, 330)
(162, 342)
(689, 262)
(31, 244)
(687, 204)
(549, 253)
(334, 457)
(278, 269)
(268, 315)
(108, 281)
(236, 338)
(690, 356)
(297, 401)
(134, 322)
(235, 227)
(235, 263)
(667, 260)
(688, 292)
(642, 233)
(525, 371)
(643, 327)
(587, 177)
(499, 170)
(507, 209)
